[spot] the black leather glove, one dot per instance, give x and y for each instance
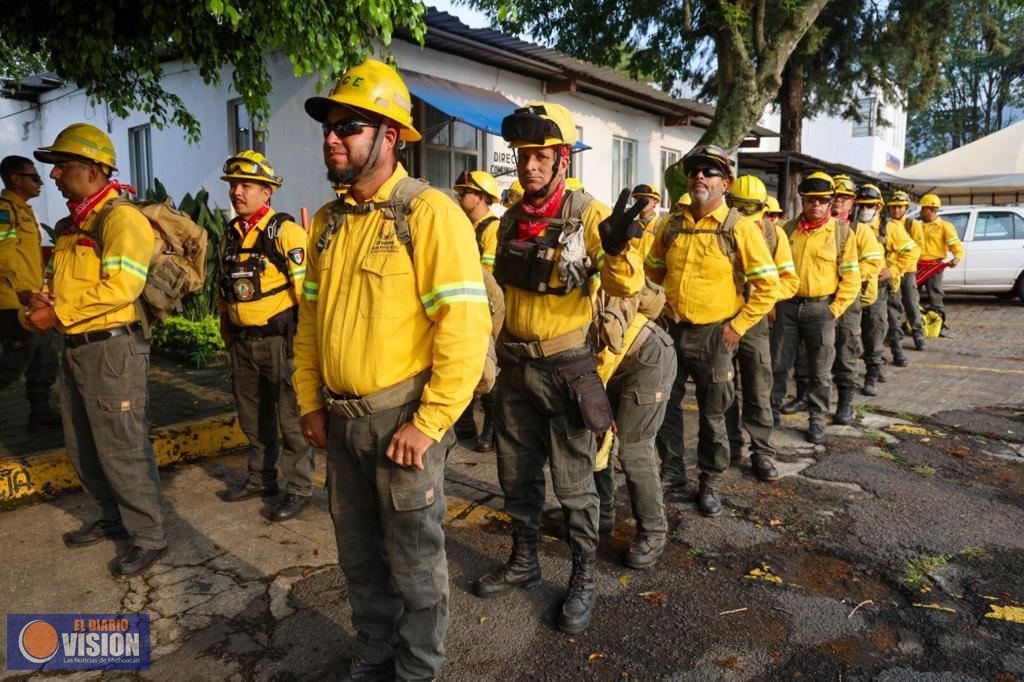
(617, 229)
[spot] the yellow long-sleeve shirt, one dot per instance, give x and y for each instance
(698, 277)
(98, 290)
(21, 260)
(487, 240)
(291, 243)
(820, 269)
(371, 316)
(939, 237)
(647, 238)
(870, 259)
(534, 316)
(901, 252)
(783, 257)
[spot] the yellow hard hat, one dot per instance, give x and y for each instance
(708, 154)
(513, 194)
(899, 199)
(573, 184)
(539, 124)
(251, 166)
(685, 200)
(374, 87)
(748, 189)
(479, 181)
(646, 190)
(869, 195)
(80, 141)
(845, 185)
(817, 184)
(772, 205)
(931, 201)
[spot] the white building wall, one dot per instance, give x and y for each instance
(294, 140)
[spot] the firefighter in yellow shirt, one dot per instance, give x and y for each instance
(908, 297)
(263, 262)
(825, 254)
(512, 195)
(21, 274)
(393, 331)
(648, 216)
(550, 400)
(848, 327)
(477, 191)
(749, 196)
(703, 256)
(97, 274)
(938, 237)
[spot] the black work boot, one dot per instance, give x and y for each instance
(816, 431)
(41, 417)
(361, 670)
(844, 408)
(674, 484)
(485, 442)
(521, 569)
(465, 425)
(94, 532)
(735, 454)
(708, 503)
(919, 341)
(764, 468)
(645, 551)
(248, 490)
(136, 561)
(899, 358)
(799, 403)
(578, 607)
(871, 377)
(291, 506)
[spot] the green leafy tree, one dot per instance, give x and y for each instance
(981, 84)
(115, 50)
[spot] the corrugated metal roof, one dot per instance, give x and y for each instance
(446, 33)
(30, 87)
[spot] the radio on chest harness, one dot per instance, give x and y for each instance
(240, 278)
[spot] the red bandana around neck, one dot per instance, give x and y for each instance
(806, 227)
(248, 224)
(80, 209)
(549, 209)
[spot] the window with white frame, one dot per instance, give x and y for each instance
(140, 158)
(243, 133)
(449, 147)
(668, 157)
(623, 164)
(576, 159)
(867, 117)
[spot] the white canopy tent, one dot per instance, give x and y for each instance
(989, 170)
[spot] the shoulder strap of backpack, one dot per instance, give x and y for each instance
(672, 229)
(400, 206)
(268, 243)
(727, 244)
(842, 234)
(789, 227)
(101, 221)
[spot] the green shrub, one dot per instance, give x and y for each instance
(192, 340)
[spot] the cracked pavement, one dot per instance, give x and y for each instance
(812, 577)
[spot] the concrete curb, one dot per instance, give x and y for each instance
(45, 475)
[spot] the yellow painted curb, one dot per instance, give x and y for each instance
(44, 475)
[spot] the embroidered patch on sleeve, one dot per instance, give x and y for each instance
(297, 256)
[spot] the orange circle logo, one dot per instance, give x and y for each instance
(38, 641)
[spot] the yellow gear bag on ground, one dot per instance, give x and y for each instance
(931, 323)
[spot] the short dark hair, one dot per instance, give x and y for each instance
(11, 165)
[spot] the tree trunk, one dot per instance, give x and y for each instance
(791, 100)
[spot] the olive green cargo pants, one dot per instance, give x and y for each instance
(874, 327)
(808, 322)
(754, 359)
(848, 346)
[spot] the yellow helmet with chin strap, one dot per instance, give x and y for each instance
(772, 205)
(539, 124)
(899, 198)
(372, 87)
(646, 190)
(513, 194)
(931, 201)
(817, 184)
(869, 195)
(481, 182)
(251, 166)
(844, 185)
(83, 142)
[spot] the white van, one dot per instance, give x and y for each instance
(993, 238)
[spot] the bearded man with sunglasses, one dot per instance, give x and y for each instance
(550, 400)
(704, 255)
(263, 263)
(393, 332)
(826, 261)
(21, 275)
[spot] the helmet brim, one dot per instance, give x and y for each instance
(48, 155)
(252, 178)
(703, 159)
(319, 107)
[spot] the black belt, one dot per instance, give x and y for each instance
(76, 340)
(281, 324)
(802, 300)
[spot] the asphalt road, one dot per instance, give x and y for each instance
(892, 554)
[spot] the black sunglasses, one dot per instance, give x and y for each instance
(345, 128)
(34, 176)
(706, 171)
